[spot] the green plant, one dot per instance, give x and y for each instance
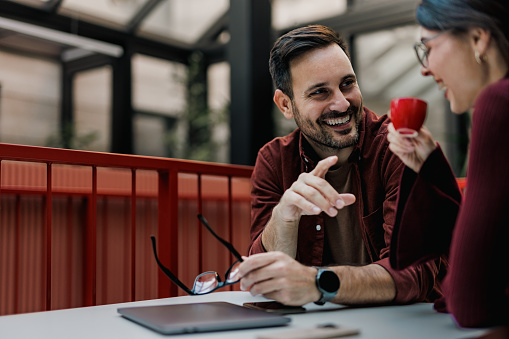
(68, 139)
(197, 119)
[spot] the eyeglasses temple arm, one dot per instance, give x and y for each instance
(224, 242)
(167, 271)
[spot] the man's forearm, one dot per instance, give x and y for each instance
(364, 285)
(280, 235)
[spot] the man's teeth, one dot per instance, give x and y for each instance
(338, 121)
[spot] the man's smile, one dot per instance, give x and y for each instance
(338, 121)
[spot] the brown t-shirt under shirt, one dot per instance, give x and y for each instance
(343, 239)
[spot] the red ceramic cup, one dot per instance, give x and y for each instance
(407, 115)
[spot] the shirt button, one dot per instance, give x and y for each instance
(318, 227)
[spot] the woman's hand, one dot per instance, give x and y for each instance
(413, 151)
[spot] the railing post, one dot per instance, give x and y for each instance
(91, 244)
(47, 233)
(133, 234)
(200, 227)
(167, 233)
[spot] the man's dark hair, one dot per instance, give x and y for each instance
(459, 15)
(295, 43)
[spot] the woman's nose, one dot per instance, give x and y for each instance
(339, 102)
(425, 71)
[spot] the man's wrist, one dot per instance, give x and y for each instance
(327, 283)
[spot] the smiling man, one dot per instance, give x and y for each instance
(324, 196)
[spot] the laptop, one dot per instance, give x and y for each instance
(200, 317)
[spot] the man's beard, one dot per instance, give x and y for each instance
(326, 138)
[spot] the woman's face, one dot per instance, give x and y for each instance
(452, 64)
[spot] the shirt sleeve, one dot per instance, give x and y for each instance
(265, 195)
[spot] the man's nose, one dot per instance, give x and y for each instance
(339, 102)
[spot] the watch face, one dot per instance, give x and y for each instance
(329, 281)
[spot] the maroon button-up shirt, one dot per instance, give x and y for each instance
(375, 180)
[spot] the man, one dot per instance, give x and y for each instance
(325, 195)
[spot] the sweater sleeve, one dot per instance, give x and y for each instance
(477, 287)
(415, 283)
(428, 205)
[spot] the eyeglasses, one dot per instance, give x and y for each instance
(209, 281)
(422, 51)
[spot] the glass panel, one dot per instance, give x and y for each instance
(387, 67)
(149, 135)
(92, 104)
(183, 20)
(109, 12)
(30, 102)
(219, 103)
(286, 13)
(159, 97)
(158, 85)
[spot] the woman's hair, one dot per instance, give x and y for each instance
(295, 43)
(460, 15)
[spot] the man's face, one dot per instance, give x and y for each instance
(327, 103)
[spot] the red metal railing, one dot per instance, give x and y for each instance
(75, 225)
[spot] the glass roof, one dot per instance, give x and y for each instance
(180, 20)
(183, 20)
(286, 13)
(116, 12)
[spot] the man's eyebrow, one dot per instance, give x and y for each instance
(352, 75)
(315, 86)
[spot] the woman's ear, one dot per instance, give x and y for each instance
(481, 40)
(284, 103)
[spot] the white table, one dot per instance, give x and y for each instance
(394, 322)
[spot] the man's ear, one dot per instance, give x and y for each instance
(284, 103)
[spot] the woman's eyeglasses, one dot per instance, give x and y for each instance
(422, 51)
(209, 281)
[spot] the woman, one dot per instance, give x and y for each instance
(465, 48)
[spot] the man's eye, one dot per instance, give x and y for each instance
(319, 91)
(348, 83)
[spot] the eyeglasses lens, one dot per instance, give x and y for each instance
(210, 281)
(422, 54)
(206, 282)
(232, 275)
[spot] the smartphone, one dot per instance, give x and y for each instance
(275, 307)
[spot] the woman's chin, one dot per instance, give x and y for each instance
(458, 108)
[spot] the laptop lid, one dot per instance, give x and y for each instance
(200, 317)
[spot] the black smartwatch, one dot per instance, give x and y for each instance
(327, 283)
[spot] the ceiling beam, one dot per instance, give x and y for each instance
(142, 13)
(136, 44)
